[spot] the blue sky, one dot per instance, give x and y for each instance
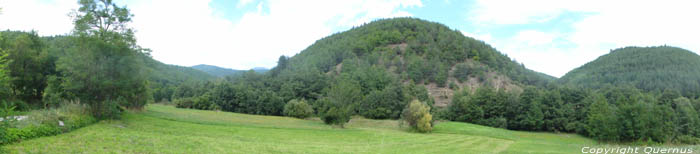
(549, 36)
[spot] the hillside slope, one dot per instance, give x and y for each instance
(419, 51)
(216, 71)
(173, 74)
(222, 72)
(648, 68)
(165, 77)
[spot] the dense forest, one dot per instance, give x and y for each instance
(611, 113)
(649, 69)
(401, 68)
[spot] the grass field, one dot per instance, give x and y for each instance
(165, 129)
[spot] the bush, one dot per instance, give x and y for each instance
(453, 86)
(19, 105)
(46, 123)
(425, 123)
(203, 102)
(336, 116)
(6, 110)
(186, 102)
(687, 139)
(298, 109)
(383, 104)
(4, 137)
(418, 116)
(461, 72)
(108, 109)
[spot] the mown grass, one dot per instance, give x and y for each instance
(165, 129)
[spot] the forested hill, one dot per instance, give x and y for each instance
(419, 51)
(167, 73)
(647, 68)
(165, 77)
(222, 72)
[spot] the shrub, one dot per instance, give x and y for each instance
(461, 72)
(6, 109)
(298, 109)
(203, 102)
(417, 115)
(336, 116)
(383, 104)
(186, 102)
(19, 105)
(688, 139)
(441, 78)
(46, 122)
(453, 86)
(4, 137)
(424, 123)
(108, 109)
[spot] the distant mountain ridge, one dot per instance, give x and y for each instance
(222, 72)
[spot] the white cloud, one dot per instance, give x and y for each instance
(605, 25)
(46, 17)
(514, 12)
(486, 37)
(242, 3)
(187, 32)
(548, 58)
(533, 37)
(195, 36)
(183, 33)
(642, 24)
(538, 51)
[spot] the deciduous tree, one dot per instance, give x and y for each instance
(105, 65)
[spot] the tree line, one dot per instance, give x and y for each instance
(371, 92)
(617, 114)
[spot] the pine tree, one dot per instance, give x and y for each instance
(601, 123)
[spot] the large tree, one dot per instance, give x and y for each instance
(104, 69)
(602, 121)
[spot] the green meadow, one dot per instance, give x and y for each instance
(166, 129)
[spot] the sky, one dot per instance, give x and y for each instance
(549, 36)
